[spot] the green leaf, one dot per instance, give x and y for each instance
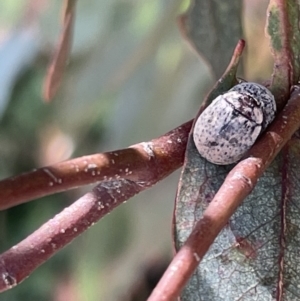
(213, 28)
(256, 256)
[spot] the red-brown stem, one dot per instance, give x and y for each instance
(157, 159)
(237, 185)
(283, 71)
(143, 162)
(21, 260)
(56, 68)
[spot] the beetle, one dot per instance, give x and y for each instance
(231, 124)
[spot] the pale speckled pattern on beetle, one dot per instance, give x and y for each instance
(230, 125)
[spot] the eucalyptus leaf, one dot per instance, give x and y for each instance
(256, 256)
(213, 27)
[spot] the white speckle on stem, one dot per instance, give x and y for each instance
(50, 174)
(101, 206)
(242, 177)
(9, 280)
(174, 268)
(196, 257)
(148, 148)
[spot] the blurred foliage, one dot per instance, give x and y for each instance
(130, 78)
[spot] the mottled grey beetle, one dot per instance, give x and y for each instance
(230, 125)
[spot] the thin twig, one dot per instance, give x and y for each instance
(21, 260)
(144, 162)
(237, 185)
(59, 61)
(141, 167)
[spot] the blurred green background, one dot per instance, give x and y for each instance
(130, 78)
